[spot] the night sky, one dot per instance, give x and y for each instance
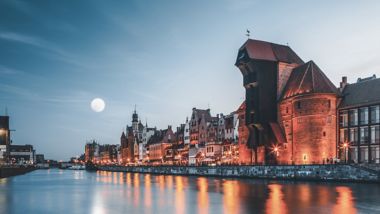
(164, 56)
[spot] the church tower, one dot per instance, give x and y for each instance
(135, 121)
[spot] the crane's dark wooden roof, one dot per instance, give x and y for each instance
(308, 78)
(261, 50)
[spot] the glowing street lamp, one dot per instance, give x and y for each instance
(345, 146)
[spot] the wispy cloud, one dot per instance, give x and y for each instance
(28, 94)
(54, 51)
(4, 70)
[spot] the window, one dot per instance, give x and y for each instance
(287, 110)
(363, 116)
(343, 135)
(329, 103)
(354, 135)
(324, 134)
(343, 118)
(298, 104)
(363, 135)
(375, 134)
(353, 115)
(375, 114)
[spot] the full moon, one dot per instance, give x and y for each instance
(98, 105)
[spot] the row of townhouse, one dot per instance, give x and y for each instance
(202, 140)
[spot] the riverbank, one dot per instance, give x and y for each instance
(13, 170)
(346, 173)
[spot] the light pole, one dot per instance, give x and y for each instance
(345, 145)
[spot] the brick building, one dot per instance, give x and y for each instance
(290, 105)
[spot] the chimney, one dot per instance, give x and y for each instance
(343, 83)
(169, 127)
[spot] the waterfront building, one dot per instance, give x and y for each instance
(245, 153)
(359, 121)
(198, 126)
(92, 151)
(124, 148)
(186, 134)
(180, 150)
(22, 154)
(40, 158)
(5, 139)
(143, 147)
(307, 114)
(290, 105)
(156, 149)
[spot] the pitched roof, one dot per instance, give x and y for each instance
(261, 50)
(308, 78)
(361, 93)
(202, 112)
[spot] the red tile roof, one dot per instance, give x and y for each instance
(306, 79)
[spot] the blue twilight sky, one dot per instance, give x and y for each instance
(164, 56)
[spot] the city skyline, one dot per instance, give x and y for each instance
(136, 53)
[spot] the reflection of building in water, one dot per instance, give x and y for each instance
(203, 200)
(345, 201)
(275, 202)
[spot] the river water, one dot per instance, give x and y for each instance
(66, 191)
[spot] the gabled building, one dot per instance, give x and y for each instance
(198, 126)
(266, 68)
(290, 106)
(359, 121)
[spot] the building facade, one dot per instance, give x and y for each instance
(290, 106)
(359, 121)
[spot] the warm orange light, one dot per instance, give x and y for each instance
(345, 145)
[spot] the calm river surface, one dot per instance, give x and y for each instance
(65, 191)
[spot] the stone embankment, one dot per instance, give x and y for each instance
(7, 171)
(289, 172)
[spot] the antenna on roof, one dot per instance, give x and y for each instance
(287, 44)
(248, 33)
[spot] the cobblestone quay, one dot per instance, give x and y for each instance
(286, 172)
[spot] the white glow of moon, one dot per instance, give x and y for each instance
(98, 105)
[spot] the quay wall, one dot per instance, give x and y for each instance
(12, 171)
(282, 172)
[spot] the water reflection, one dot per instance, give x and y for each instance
(60, 191)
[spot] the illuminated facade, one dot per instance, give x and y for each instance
(290, 106)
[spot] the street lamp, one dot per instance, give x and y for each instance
(345, 146)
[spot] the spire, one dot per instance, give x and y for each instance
(135, 117)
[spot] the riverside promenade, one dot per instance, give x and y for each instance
(351, 173)
(7, 171)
